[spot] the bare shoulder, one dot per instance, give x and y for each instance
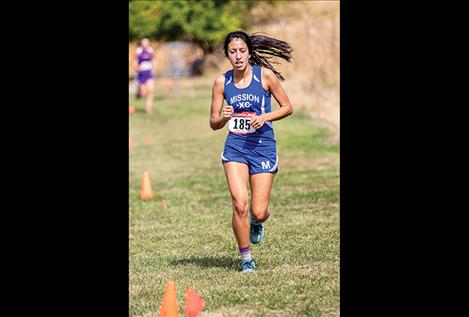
(268, 77)
(267, 73)
(219, 82)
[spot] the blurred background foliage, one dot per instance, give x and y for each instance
(205, 23)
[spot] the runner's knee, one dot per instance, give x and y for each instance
(240, 207)
(259, 213)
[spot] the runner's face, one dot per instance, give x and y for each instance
(145, 43)
(238, 54)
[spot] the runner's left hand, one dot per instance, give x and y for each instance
(257, 121)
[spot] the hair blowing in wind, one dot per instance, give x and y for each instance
(263, 49)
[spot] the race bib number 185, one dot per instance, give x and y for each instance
(240, 123)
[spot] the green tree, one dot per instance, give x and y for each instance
(201, 21)
(143, 19)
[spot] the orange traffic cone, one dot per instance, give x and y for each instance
(194, 303)
(169, 306)
(131, 109)
(165, 204)
(146, 192)
(170, 84)
(147, 141)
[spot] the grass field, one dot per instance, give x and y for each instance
(192, 242)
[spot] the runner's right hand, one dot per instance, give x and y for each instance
(227, 111)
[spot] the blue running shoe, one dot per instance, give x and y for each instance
(256, 231)
(248, 266)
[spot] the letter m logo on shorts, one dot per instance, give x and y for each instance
(265, 165)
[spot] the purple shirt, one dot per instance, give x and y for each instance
(145, 57)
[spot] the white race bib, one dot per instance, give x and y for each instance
(240, 123)
(146, 65)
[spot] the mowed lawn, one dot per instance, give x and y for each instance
(192, 242)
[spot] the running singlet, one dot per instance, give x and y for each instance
(246, 102)
(145, 57)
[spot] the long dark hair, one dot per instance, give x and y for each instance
(263, 49)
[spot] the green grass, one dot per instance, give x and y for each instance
(192, 242)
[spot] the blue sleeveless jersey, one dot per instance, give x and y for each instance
(250, 99)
